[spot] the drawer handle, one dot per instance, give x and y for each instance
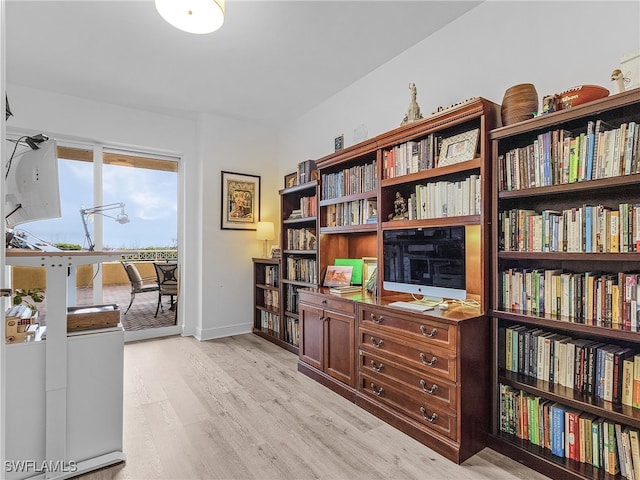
(376, 344)
(430, 419)
(432, 390)
(378, 368)
(434, 331)
(324, 302)
(423, 357)
(377, 320)
(377, 391)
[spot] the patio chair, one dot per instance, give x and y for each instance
(168, 284)
(139, 284)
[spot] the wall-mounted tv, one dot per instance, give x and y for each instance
(425, 261)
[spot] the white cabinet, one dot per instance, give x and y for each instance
(63, 395)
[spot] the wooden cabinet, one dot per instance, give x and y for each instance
(299, 253)
(327, 347)
(565, 261)
(426, 374)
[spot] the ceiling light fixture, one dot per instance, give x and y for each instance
(193, 16)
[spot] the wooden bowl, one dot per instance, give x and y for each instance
(520, 103)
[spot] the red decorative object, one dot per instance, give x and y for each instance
(581, 94)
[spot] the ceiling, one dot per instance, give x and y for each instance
(271, 61)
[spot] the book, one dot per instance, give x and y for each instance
(636, 382)
(627, 382)
(572, 433)
(596, 442)
(635, 452)
(557, 429)
(345, 289)
(618, 358)
(628, 454)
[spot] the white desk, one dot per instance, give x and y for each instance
(81, 428)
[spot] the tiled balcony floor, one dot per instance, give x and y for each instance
(141, 314)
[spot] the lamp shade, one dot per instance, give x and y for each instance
(193, 16)
(265, 231)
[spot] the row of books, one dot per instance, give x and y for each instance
(271, 275)
(606, 371)
(582, 229)
(272, 299)
(306, 171)
(411, 157)
(445, 199)
(357, 212)
(269, 322)
(292, 331)
(570, 433)
(302, 269)
(559, 157)
(593, 298)
(301, 239)
(357, 179)
(308, 208)
(291, 298)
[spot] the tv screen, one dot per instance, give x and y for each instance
(32, 186)
(425, 261)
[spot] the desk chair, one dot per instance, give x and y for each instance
(167, 282)
(139, 284)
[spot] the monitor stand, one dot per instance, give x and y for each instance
(428, 301)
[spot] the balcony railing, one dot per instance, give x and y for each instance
(153, 255)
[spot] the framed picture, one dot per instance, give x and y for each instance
(338, 276)
(240, 201)
(275, 251)
(290, 180)
(459, 148)
(369, 273)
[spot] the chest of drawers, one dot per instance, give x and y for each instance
(426, 374)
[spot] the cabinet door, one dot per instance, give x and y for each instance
(311, 335)
(340, 347)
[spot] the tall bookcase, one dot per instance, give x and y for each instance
(267, 317)
(299, 253)
(565, 257)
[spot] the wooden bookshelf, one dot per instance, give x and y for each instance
(574, 316)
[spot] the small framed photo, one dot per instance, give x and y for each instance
(459, 148)
(275, 251)
(290, 180)
(370, 274)
(240, 203)
(338, 276)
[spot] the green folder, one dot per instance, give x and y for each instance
(356, 263)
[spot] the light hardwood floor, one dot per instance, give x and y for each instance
(236, 408)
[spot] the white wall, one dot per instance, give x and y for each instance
(227, 277)
(554, 45)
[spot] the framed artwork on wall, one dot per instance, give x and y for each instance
(240, 201)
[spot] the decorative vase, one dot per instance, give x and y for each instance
(520, 103)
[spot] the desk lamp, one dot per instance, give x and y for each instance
(265, 231)
(85, 213)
